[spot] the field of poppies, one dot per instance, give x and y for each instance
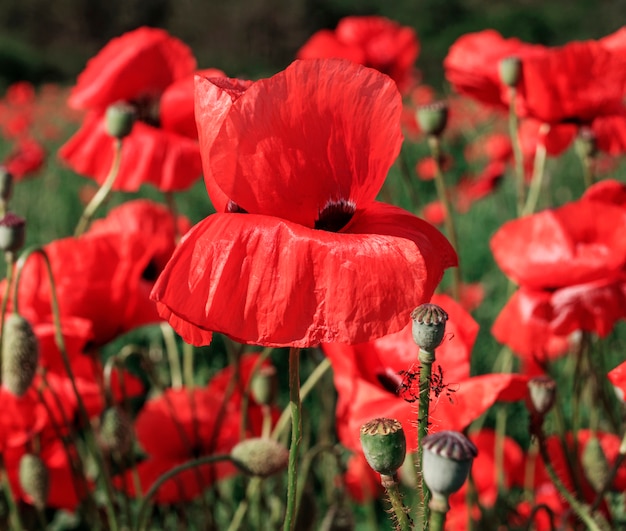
(334, 297)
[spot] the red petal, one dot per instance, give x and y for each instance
(167, 160)
(325, 43)
(266, 281)
(141, 62)
(320, 131)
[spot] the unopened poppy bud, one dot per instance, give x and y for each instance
(429, 326)
(6, 184)
(20, 354)
(446, 461)
(120, 118)
(384, 445)
(34, 479)
(338, 518)
(586, 142)
(433, 118)
(541, 395)
(260, 456)
(510, 69)
(264, 385)
(115, 431)
(595, 464)
(12, 232)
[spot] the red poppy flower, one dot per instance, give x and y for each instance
(308, 256)
(575, 83)
(434, 212)
(471, 189)
(372, 41)
(27, 157)
(472, 65)
(153, 72)
(617, 377)
(379, 379)
(184, 424)
(569, 263)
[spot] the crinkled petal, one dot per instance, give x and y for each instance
(266, 281)
(140, 63)
(321, 131)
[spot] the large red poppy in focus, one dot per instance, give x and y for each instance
(372, 41)
(569, 263)
(153, 72)
(303, 254)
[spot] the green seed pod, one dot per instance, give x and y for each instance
(264, 385)
(12, 232)
(384, 445)
(115, 431)
(429, 326)
(20, 354)
(595, 464)
(433, 118)
(446, 461)
(260, 456)
(34, 479)
(510, 69)
(541, 395)
(120, 118)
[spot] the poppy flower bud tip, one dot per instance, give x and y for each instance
(260, 456)
(115, 433)
(541, 395)
(120, 118)
(595, 464)
(20, 352)
(429, 326)
(34, 479)
(447, 459)
(433, 118)
(384, 445)
(264, 385)
(12, 232)
(510, 70)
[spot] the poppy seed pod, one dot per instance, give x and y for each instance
(120, 118)
(260, 456)
(384, 445)
(541, 395)
(433, 118)
(34, 479)
(6, 184)
(264, 385)
(12, 232)
(429, 326)
(595, 464)
(20, 354)
(447, 460)
(510, 70)
(586, 142)
(115, 431)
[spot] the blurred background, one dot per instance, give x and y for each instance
(43, 40)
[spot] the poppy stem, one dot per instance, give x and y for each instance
(60, 341)
(517, 152)
(539, 167)
(188, 369)
(103, 192)
(426, 363)
(295, 406)
(144, 510)
(169, 338)
(621, 456)
(442, 192)
(10, 259)
(14, 512)
(390, 483)
(439, 508)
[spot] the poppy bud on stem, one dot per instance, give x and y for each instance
(384, 446)
(429, 326)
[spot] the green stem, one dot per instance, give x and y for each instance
(588, 177)
(390, 483)
(517, 153)
(539, 167)
(144, 515)
(14, 513)
(10, 257)
(60, 341)
(188, 372)
(426, 363)
(295, 406)
(172, 355)
(449, 224)
(621, 456)
(103, 192)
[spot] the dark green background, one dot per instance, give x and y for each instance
(44, 40)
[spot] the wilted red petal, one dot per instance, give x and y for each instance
(290, 285)
(319, 132)
(140, 63)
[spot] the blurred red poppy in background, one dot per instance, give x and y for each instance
(307, 255)
(153, 72)
(372, 41)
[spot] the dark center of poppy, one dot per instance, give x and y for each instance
(234, 208)
(151, 272)
(147, 110)
(391, 381)
(335, 215)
